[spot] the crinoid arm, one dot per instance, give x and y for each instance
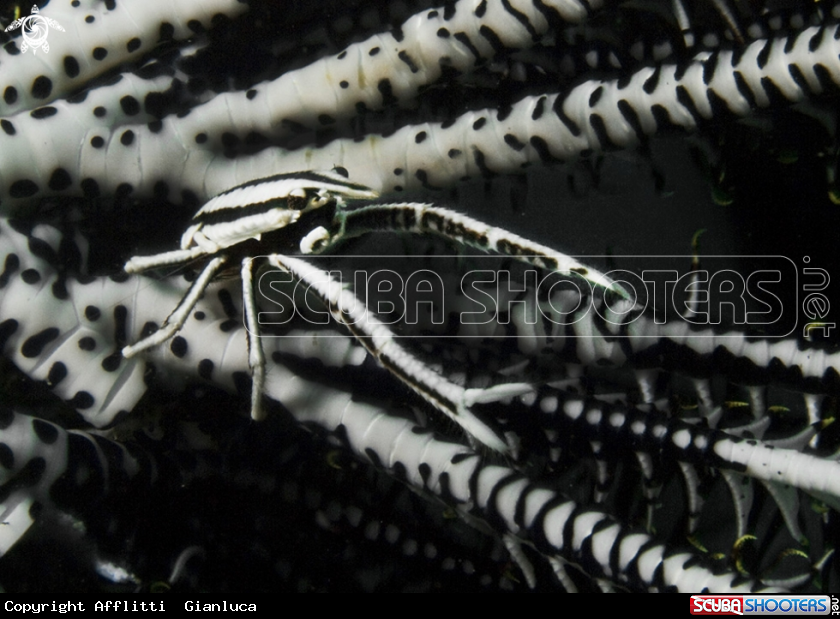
(422, 218)
(452, 400)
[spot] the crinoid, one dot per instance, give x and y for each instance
(630, 448)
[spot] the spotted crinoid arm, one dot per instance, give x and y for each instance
(386, 69)
(176, 156)
(69, 332)
(610, 432)
(595, 115)
(212, 346)
(98, 36)
(45, 465)
(579, 329)
(519, 509)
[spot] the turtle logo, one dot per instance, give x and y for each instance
(35, 30)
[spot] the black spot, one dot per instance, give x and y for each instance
(148, 328)
(90, 188)
(87, 343)
(652, 82)
(201, 138)
(92, 313)
(7, 329)
(110, 4)
(23, 188)
(443, 33)
(195, 26)
(11, 48)
(373, 51)
(71, 66)
(709, 67)
(34, 345)
(10, 95)
(7, 456)
(120, 326)
(41, 87)
(420, 137)
(42, 249)
(403, 55)
(539, 108)
(97, 141)
(342, 55)
(112, 362)
(251, 94)
(7, 127)
(155, 126)
(59, 290)
(30, 276)
(47, 432)
(257, 141)
(58, 372)
(90, 19)
(99, 111)
(82, 400)
(59, 180)
(512, 141)
(600, 128)
(133, 45)
(479, 123)
(167, 32)
(344, 84)
(43, 112)
(75, 3)
(127, 138)
(205, 369)
(11, 265)
(492, 38)
(230, 140)
(199, 315)
(178, 346)
(99, 53)
(387, 91)
(130, 105)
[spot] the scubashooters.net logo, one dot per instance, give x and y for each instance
(764, 605)
(433, 291)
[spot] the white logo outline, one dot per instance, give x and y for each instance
(35, 30)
